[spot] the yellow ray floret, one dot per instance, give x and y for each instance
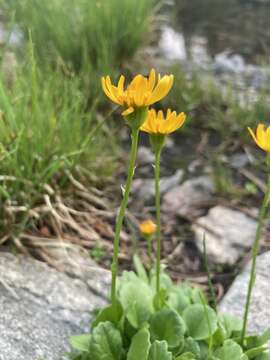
(157, 123)
(262, 137)
(141, 92)
(148, 227)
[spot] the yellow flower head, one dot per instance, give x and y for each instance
(157, 123)
(141, 92)
(147, 227)
(262, 137)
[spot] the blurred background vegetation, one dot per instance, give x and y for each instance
(58, 132)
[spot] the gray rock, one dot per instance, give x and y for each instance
(145, 156)
(189, 199)
(145, 188)
(234, 300)
(239, 160)
(229, 234)
(227, 62)
(41, 308)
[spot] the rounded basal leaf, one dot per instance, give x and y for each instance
(198, 296)
(201, 321)
(193, 347)
(265, 356)
(111, 313)
(229, 351)
(137, 301)
(230, 324)
(178, 300)
(80, 342)
(169, 326)
(255, 352)
(159, 351)
(165, 281)
(186, 356)
(105, 343)
(140, 346)
(140, 269)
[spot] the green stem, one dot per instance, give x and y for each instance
(255, 250)
(121, 214)
(157, 191)
(149, 250)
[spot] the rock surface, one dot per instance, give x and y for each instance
(229, 234)
(145, 188)
(190, 199)
(234, 300)
(145, 156)
(41, 307)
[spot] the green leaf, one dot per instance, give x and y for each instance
(219, 336)
(105, 342)
(140, 268)
(165, 281)
(167, 325)
(178, 300)
(265, 356)
(192, 346)
(186, 356)
(111, 313)
(160, 299)
(201, 321)
(136, 298)
(198, 297)
(140, 346)
(264, 338)
(159, 351)
(230, 324)
(80, 342)
(253, 353)
(229, 351)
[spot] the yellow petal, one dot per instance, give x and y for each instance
(151, 80)
(140, 91)
(128, 111)
(134, 83)
(108, 92)
(177, 122)
(260, 133)
(161, 90)
(147, 126)
(120, 85)
(252, 134)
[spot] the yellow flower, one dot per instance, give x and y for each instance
(140, 93)
(156, 123)
(262, 137)
(147, 227)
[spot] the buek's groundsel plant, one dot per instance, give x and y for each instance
(149, 317)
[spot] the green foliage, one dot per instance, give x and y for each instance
(48, 132)
(193, 331)
(167, 325)
(136, 298)
(105, 342)
(140, 345)
(159, 351)
(201, 321)
(213, 109)
(86, 36)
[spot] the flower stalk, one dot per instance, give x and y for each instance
(255, 250)
(158, 220)
(121, 214)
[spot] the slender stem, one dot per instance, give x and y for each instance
(121, 214)
(255, 250)
(149, 250)
(157, 191)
